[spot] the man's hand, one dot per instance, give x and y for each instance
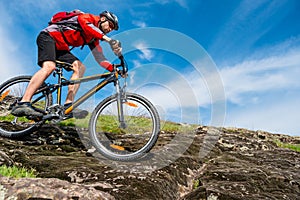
(121, 73)
(116, 46)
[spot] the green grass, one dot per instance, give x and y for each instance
(107, 123)
(196, 184)
(17, 172)
(135, 124)
(68, 122)
(10, 117)
(294, 147)
(175, 127)
(82, 123)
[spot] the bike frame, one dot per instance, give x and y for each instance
(108, 77)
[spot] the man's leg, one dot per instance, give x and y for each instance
(46, 60)
(78, 72)
(24, 107)
(38, 78)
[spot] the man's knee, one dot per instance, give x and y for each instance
(49, 66)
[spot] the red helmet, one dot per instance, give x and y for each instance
(112, 18)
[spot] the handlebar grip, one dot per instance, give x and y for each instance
(121, 57)
(123, 64)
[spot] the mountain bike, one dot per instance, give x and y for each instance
(124, 126)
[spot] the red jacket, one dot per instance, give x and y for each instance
(90, 35)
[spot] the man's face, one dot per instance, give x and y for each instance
(105, 27)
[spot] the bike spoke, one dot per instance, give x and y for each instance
(11, 92)
(137, 136)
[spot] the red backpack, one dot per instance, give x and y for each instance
(61, 19)
(61, 16)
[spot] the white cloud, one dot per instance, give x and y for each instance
(139, 24)
(10, 54)
(264, 93)
(143, 47)
(182, 3)
(281, 116)
(18, 48)
(168, 91)
(259, 76)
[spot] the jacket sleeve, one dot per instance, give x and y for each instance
(99, 56)
(86, 22)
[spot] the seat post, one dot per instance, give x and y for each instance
(59, 72)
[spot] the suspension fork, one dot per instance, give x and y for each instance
(119, 92)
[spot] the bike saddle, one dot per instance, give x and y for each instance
(65, 65)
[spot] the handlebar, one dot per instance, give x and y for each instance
(122, 64)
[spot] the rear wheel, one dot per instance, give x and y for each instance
(11, 92)
(131, 139)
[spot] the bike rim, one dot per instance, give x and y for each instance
(134, 140)
(9, 96)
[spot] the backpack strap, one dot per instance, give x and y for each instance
(72, 26)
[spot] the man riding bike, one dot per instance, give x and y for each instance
(54, 44)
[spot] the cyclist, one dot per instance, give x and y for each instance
(54, 44)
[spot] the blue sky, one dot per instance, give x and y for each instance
(254, 44)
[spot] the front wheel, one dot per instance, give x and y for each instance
(11, 92)
(129, 139)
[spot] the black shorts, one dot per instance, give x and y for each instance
(48, 52)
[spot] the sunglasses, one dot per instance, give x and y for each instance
(111, 25)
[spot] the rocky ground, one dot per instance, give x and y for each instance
(220, 164)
